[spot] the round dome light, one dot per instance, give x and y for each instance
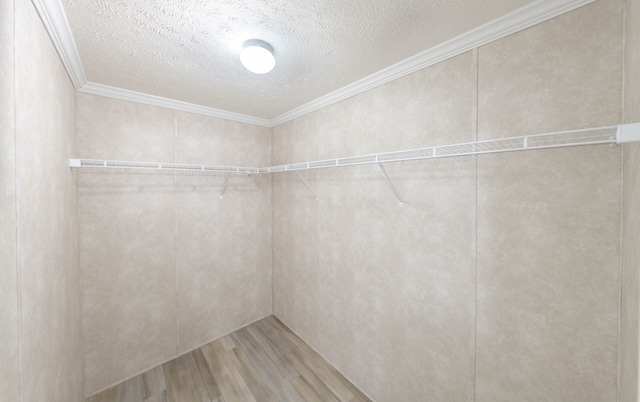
(257, 56)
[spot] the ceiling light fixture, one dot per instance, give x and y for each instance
(257, 56)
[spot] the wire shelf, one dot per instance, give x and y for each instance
(602, 135)
(594, 136)
(114, 165)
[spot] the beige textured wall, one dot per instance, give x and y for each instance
(630, 320)
(9, 340)
(353, 271)
(166, 265)
(549, 221)
(45, 228)
(499, 278)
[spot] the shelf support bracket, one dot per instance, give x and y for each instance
(628, 133)
(390, 183)
(255, 179)
(315, 195)
(224, 187)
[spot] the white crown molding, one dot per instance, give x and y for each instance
(139, 97)
(55, 21)
(522, 18)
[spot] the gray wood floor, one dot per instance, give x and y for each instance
(264, 361)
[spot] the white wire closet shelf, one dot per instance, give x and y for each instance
(611, 135)
(116, 165)
(602, 135)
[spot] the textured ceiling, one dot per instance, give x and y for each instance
(188, 50)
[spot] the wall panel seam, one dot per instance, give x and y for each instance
(475, 113)
(175, 230)
(622, 204)
(15, 206)
(271, 217)
(79, 268)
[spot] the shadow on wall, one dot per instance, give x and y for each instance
(114, 182)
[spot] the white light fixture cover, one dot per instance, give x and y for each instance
(257, 56)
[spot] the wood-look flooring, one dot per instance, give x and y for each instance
(264, 361)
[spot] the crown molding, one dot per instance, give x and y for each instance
(522, 18)
(139, 97)
(55, 21)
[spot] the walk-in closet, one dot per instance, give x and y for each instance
(412, 201)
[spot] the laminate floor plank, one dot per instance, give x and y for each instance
(262, 362)
(131, 390)
(318, 385)
(256, 383)
(340, 386)
(183, 381)
(106, 396)
(276, 338)
(276, 376)
(274, 354)
(153, 383)
(293, 338)
(161, 397)
(325, 375)
(231, 383)
(306, 390)
(228, 342)
(206, 376)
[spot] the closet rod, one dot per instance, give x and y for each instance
(602, 135)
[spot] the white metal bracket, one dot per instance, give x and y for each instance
(393, 187)
(224, 188)
(315, 195)
(628, 133)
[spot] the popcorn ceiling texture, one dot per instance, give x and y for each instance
(188, 49)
